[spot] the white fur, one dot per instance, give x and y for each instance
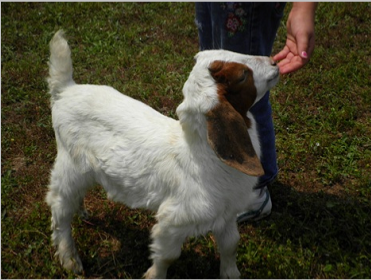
(147, 160)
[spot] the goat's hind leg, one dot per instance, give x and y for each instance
(66, 191)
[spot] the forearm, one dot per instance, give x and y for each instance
(301, 18)
(306, 7)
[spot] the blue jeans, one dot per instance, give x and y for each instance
(248, 28)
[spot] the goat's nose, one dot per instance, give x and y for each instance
(273, 63)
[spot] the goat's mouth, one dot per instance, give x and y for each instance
(274, 79)
(274, 76)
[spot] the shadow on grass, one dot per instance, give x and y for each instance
(130, 259)
(112, 248)
(334, 230)
(316, 218)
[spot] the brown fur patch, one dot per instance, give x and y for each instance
(236, 84)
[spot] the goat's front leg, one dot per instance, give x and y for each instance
(227, 239)
(166, 247)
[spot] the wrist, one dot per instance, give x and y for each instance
(301, 17)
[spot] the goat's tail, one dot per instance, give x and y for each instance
(60, 65)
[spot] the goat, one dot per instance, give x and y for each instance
(197, 173)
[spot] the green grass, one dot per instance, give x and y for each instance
(320, 226)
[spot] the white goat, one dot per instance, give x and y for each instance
(197, 173)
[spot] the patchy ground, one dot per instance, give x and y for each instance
(321, 221)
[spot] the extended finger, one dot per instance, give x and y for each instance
(282, 54)
(287, 66)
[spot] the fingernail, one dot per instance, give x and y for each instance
(304, 54)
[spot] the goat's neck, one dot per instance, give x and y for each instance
(193, 125)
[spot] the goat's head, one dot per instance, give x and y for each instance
(223, 86)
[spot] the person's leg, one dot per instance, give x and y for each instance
(262, 112)
(267, 18)
(204, 25)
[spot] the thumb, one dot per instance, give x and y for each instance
(303, 46)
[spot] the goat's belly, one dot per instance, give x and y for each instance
(136, 182)
(132, 196)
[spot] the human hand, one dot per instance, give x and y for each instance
(300, 38)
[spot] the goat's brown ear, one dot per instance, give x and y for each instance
(229, 138)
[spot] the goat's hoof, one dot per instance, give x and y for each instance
(150, 274)
(154, 273)
(232, 273)
(74, 264)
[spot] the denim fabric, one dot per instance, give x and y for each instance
(248, 28)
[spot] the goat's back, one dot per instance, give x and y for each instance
(110, 134)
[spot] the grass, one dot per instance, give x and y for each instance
(320, 226)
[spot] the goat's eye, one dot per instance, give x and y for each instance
(243, 77)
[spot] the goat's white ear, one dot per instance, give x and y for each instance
(227, 123)
(228, 136)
